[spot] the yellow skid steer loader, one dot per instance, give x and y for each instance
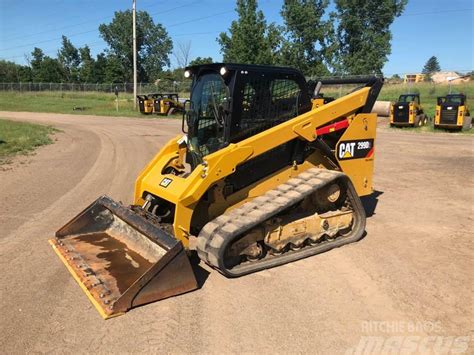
(452, 113)
(260, 177)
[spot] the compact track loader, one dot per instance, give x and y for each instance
(407, 111)
(167, 104)
(145, 104)
(452, 113)
(259, 178)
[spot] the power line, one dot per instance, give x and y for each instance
(94, 30)
(90, 45)
(199, 18)
(101, 19)
(47, 40)
(192, 3)
(174, 24)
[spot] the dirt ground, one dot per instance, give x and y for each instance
(412, 275)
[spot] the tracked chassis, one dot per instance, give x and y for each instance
(217, 236)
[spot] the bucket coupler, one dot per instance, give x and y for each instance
(120, 259)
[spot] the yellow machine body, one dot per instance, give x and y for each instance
(145, 104)
(452, 113)
(320, 101)
(407, 111)
(185, 193)
(167, 104)
(123, 257)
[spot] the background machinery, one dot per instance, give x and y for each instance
(161, 104)
(167, 104)
(145, 104)
(260, 178)
(407, 111)
(452, 113)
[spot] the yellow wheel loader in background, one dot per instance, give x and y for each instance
(260, 178)
(452, 113)
(407, 111)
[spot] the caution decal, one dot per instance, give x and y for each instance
(355, 149)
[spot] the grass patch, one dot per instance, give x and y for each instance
(428, 92)
(22, 137)
(86, 103)
(98, 103)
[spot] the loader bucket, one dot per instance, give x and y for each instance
(120, 259)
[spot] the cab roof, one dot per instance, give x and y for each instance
(248, 67)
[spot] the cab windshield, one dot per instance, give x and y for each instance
(206, 115)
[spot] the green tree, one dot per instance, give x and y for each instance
(431, 66)
(250, 40)
(200, 61)
(24, 73)
(37, 57)
(363, 33)
(45, 69)
(114, 70)
(86, 69)
(153, 45)
(51, 70)
(7, 71)
(69, 58)
(307, 45)
(12, 72)
(100, 66)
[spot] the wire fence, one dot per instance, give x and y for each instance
(161, 86)
(142, 88)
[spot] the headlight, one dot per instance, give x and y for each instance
(223, 71)
(187, 74)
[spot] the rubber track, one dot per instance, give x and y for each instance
(220, 232)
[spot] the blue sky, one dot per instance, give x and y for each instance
(427, 27)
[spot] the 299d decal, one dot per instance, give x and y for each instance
(356, 149)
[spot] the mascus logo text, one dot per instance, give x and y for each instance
(356, 149)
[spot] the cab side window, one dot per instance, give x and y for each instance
(267, 102)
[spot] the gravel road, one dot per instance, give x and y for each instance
(412, 275)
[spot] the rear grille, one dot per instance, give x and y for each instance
(449, 116)
(400, 113)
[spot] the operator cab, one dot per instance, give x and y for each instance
(231, 102)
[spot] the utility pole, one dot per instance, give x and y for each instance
(134, 14)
